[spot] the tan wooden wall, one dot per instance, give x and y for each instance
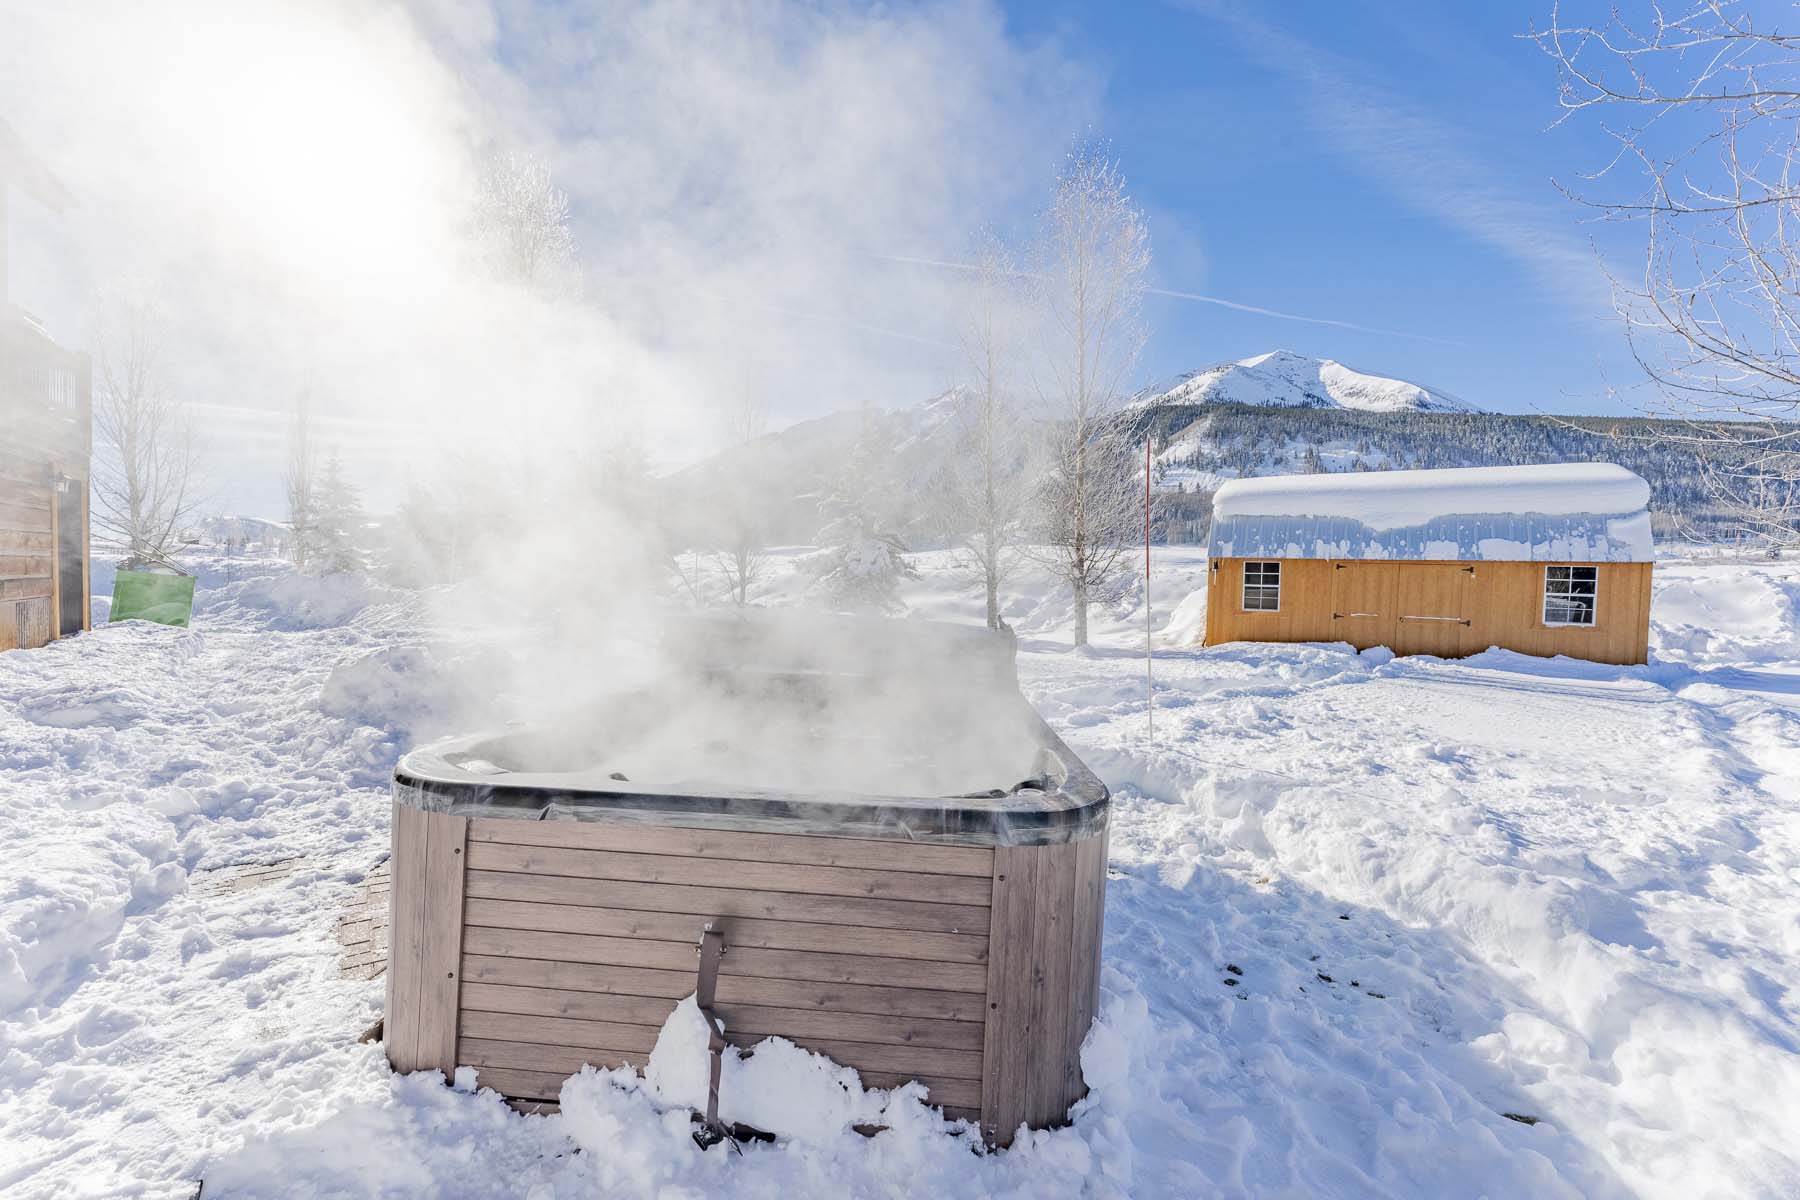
(28, 575)
(1444, 608)
(38, 442)
(528, 948)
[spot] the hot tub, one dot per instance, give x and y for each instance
(906, 863)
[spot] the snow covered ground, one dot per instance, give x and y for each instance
(1360, 908)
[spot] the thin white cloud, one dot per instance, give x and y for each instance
(1287, 316)
(722, 159)
(1424, 161)
(1220, 301)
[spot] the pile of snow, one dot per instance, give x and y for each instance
(295, 600)
(621, 1134)
(1753, 620)
(1187, 624)
(1296, 381)
(1359, 910)
(1582, 512)
(1395, 499)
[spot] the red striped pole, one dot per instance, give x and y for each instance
(1149, 681)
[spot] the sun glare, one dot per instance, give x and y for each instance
(326, 164)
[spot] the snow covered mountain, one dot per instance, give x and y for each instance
(1288, 380)
(1274, 414)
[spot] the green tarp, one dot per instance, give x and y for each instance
(152, 596)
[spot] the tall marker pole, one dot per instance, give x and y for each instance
(1149, 680)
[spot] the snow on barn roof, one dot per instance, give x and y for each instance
(1568, 512)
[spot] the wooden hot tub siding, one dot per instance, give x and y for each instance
(528, 948)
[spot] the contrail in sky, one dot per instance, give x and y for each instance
(1197, 298)
(825, 318)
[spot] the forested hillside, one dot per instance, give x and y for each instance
(1198, 446)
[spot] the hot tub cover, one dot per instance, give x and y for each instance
(920, 735)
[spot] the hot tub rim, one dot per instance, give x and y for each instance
(1076, 808)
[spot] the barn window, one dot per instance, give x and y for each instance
(1569, 595)
(1262, 587)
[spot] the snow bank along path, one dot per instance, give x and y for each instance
(1359, 910)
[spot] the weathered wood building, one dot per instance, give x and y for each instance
(45, 447)
(1543, 560)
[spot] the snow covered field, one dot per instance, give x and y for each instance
(1359, 909)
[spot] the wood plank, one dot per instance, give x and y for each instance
(551, 1044)
(1006, 1045)
(1052, 944)
(794, 1024)
(1089, 922)
(542, 1085)
(522, 1085)
(765, 964)
(19, 512)
(955, 1095)
(738, 931)
(55, 575)
(406, 918)
(965, 1093)
(559, 1031)
(804, 1027)
(34, 498)
(728, 902)
(553, 1002)
(782, 877)
(30, 564)
(25, 588)
(556, 1060)
(440, 948)
(868, 853)
(733, 989)
(23, 542)
(911, 1061)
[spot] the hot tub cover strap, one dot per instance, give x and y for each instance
(712, 948)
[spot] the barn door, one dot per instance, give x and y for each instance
(1434, 606)
(1362, 603)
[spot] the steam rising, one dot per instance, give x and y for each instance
(301, 178)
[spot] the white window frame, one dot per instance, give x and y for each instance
(1593, 620)
(1244, 584)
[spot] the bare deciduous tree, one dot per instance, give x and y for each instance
(148, 483)
(742, 562)
(1093, 256)
(522, 219)
(301, 478)
(1703, 107)
(983, 491)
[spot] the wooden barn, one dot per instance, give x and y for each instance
(1544, 560)
(45, 443)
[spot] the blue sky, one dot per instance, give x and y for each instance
(1383, 165)
(746, 191)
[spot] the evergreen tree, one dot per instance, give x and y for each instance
(862, 559)
(339, 523)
